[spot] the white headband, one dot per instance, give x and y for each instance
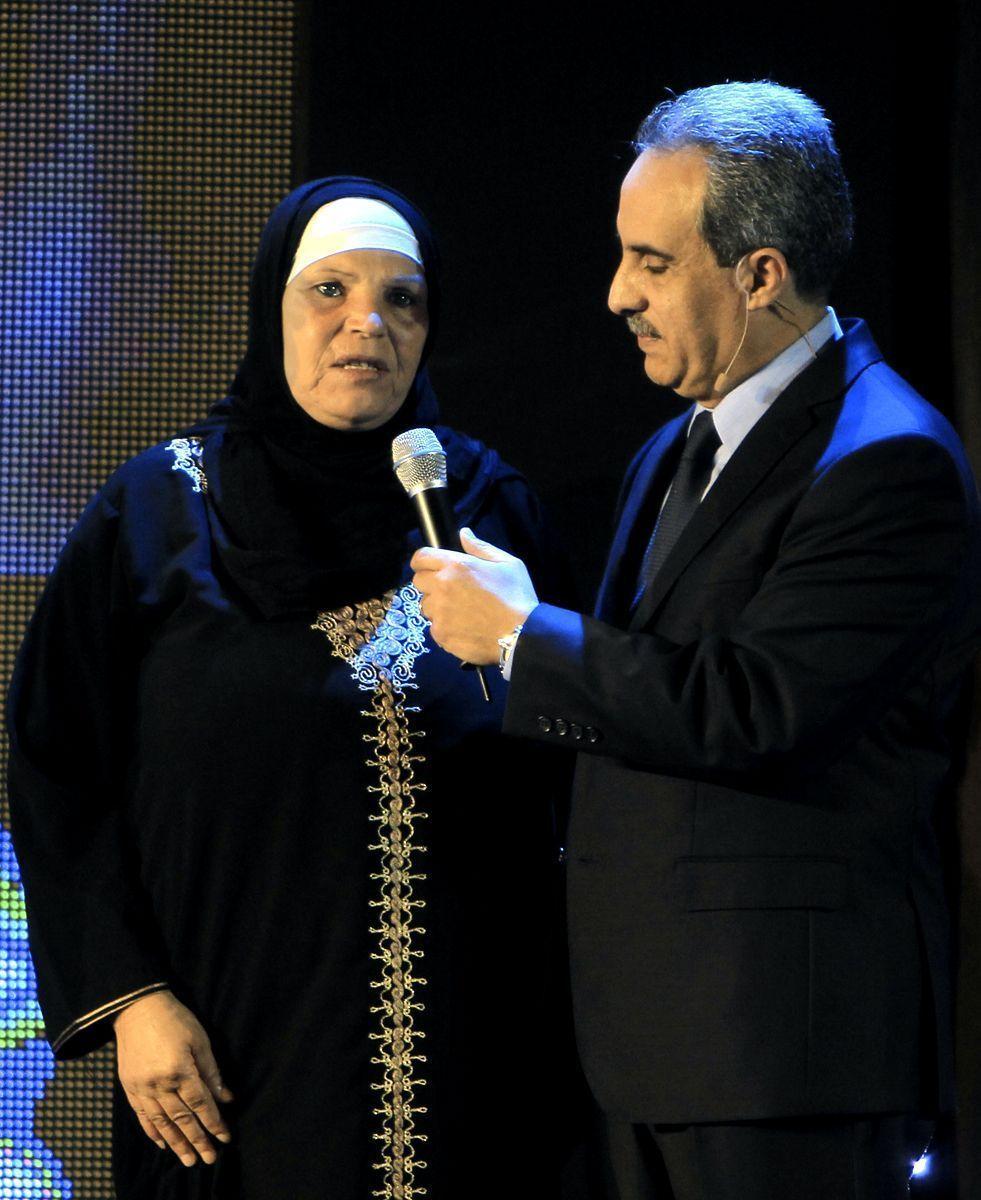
(354, 223)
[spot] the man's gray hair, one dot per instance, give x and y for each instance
(774, 175)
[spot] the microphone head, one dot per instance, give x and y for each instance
(419, 460)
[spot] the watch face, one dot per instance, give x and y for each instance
(506, 644)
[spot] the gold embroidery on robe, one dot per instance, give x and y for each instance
(380, 641)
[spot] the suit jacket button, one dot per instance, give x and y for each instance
(592, 735)
(545, 724)
(561, 726)
(577, 732)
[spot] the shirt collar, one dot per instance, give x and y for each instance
(737, 413)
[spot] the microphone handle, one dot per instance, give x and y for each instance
(437, 519)
(438, 523)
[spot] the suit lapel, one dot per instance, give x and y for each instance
(765, 445)
(752, 462)
(651, 477)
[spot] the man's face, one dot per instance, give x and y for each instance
(684, 309)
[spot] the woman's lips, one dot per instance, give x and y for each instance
(363, 366)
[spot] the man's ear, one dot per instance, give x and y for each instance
(764, 276)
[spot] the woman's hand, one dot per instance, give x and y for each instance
(170, 1076)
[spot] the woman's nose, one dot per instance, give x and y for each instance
(364, 317)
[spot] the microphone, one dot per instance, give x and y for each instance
(420, 465)
(722, 379)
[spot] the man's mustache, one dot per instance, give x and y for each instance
(641, 328)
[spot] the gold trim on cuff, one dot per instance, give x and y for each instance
(103, 1011)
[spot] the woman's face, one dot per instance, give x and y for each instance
(354, 325)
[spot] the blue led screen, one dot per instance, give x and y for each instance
(144, 142)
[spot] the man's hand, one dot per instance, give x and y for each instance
(170, 1076)
(472, 599)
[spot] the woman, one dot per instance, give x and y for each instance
(267, 829)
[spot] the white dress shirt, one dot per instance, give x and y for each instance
(737, 413)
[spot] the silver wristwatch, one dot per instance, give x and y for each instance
(506, 646)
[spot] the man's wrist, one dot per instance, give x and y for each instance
(507, 645)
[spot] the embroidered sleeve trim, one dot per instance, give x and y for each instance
(104, 1010)
(187, 458)
(380, 641)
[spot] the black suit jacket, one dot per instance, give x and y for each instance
(756, 900)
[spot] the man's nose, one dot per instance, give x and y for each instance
(623, 298)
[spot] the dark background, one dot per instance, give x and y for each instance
(513, 137)
(513, 133)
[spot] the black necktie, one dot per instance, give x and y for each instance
(690, 480)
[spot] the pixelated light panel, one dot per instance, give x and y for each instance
(144, 143)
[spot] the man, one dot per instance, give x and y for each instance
(757, 925)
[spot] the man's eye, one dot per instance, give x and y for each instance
(654, 268)
(330, 288)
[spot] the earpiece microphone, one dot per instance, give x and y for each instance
(778, 309)
(721, 378)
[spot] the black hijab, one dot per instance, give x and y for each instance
(307, 517)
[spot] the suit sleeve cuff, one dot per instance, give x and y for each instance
(540, 702)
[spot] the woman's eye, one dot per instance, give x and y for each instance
(330, 288)
(401, 298)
